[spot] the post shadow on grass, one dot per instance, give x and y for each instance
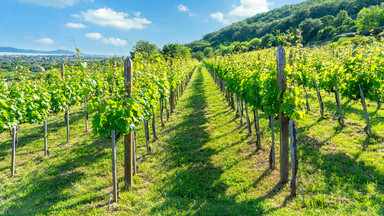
(343, 171)
(197, 189)
(46, 189)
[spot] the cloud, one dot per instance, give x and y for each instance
(109, 17)
(75, 25)
(45, 41)
(220, 18)
(114, 41)
(247, 8)
(111, 40)
(51, 3)
(182, 7)
(94, 36)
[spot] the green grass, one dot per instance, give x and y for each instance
(203, 164)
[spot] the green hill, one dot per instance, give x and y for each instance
(319, 20)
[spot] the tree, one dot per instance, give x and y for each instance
(328, 20)
(254, 44)
(310, 28)
(175, 51)
(145, 48)
(340, 18)
(268, 40)
(326, 33)
(208, 52)
(368, 19)
(198, 55)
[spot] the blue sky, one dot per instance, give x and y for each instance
(112, 27)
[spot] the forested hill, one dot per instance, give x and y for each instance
(319, 20)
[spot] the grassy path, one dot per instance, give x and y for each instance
(206, 165)
(202, 164)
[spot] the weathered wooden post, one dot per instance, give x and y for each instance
(63, 71)
(272, 161)
(86, 114)
(114, 173)
(341, 118)
(172, 101)
(14, 140)
(67, 111)
(248, 121)
(154, 125)
(67, 123)
(283, 120)
(294, 165)
(146, 129)
(134, 154)
(45, 138)
(161, 113)
(368, 127)
(320, 100)
(128, 139)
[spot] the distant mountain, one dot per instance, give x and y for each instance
(53, 52)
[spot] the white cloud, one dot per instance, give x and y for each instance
(246, 9)
(182, 7)
(45, 41)
(75, 25)
(51, 3)
(114, 41)
(109, 17)
(94, 36)
(220, 18)
(111, 40)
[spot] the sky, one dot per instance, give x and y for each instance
(109, 27)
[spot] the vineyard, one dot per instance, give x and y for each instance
(278, 131)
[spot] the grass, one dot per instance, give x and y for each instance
(202, 164)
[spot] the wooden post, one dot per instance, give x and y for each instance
(67, 123)
(86, 114)
(134, 154)
(13, 151)
(248, 121)
(241, 111)
(172, 102)
(368, 128)
(154, 125)
(146, 129)
(292, 142)
(114, 173)
(166, 110)
(341, 119)
(45, 139)
(283, 120)
(320, 100)
(237, 107)
(257, 128)
(232, 102)
(161, 113)
(63, 71)
(128, 139)
(272, 160)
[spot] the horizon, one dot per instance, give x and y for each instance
(99, 27)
